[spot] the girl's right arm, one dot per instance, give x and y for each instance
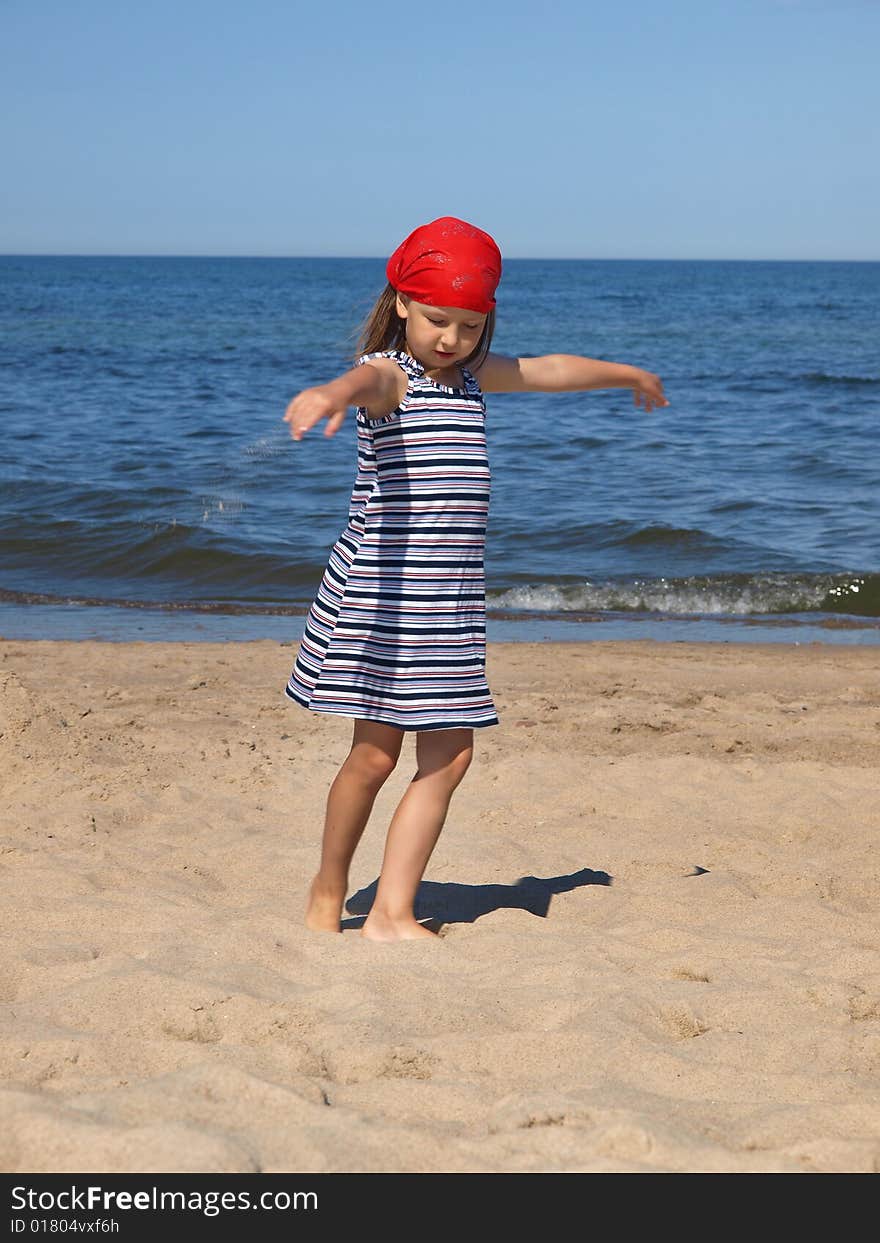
(374, 385)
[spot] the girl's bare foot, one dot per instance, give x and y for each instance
(382, 928)
(324, 908)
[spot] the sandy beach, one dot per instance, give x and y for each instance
(657, 897)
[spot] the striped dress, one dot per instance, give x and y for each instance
(397, 632)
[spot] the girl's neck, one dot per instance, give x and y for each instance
(451, 376)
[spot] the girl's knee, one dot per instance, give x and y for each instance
(460, 763)
(374, 752)
(372, 764)
(450, 764)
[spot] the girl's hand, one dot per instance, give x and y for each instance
(648, 390)
(312, 405)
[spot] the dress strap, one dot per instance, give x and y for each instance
(471, 383)
(412, 368)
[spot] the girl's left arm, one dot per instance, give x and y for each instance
(568, 373)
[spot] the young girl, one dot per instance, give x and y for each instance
(396, 636)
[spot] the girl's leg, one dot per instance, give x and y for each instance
(373, 755)
(443, 757)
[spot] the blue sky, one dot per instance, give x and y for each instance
(743, 129)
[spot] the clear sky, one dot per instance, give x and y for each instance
(743, 129)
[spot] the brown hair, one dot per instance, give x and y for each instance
(383, 329)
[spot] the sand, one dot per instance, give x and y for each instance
(657, 893)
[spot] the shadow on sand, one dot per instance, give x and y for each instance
(441, 902)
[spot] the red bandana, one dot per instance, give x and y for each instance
(447, 263)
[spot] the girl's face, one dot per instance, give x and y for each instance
(439, 336)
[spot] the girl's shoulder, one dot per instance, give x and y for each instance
(498, 373)
(392, 362)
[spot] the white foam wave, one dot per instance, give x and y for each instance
(677, 597)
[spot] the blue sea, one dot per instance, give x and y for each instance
(149, 488)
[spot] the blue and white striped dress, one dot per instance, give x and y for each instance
(397, 632)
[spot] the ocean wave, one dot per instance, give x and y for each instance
(766, 380)
(656, 535)
(845, 595)
(176, 560)
(724, 595)
(168, 606)
(824, 377)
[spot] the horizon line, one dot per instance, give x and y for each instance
(76, 254)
